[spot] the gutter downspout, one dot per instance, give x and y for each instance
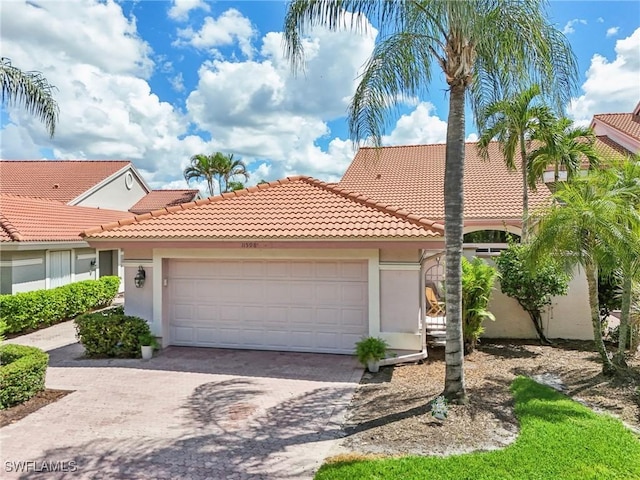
(414, 357)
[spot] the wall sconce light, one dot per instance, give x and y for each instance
(140, 277)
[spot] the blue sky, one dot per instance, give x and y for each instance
(155, 82)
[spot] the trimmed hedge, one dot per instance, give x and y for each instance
(22, 373)
(108, 334)
(30, 310)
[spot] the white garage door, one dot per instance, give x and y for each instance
(289, 305)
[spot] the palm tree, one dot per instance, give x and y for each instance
(563, 146)
(32, 91)
(228, 168)
(202, 166)
(586, 229)
(513, 122)
(485, 48)
(624, 177)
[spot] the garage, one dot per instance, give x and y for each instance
(288, 305)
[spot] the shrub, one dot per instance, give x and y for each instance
(477, 284)
(532, 287)
(30, 310)
(22, 373)
(106, 334)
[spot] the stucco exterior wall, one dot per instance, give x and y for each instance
(26, 278)
(399, 301)
(138, 254)
(115, 195)
(83, 268)
(139, 301)
(511, 320)
(570, 316)
(400, 255)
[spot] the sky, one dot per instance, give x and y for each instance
(155, 82)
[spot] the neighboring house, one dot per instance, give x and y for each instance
(157, 199)
(41, 247)
(621, 129)
(33, 255)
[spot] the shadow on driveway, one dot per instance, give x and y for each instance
(246, 363)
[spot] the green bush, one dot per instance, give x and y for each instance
(30, 310)
(371, 349)
(477, 285)
(107, 334)
(22, 373)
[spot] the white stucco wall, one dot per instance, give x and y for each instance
(139, 301)
(570, 316)
(399, 301)
(26, 278)
(115, 195)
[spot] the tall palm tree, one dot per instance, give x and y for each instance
(228, 168)
(485, 48)
(202, 167)
(563, 146)
(588, 227)
(512, 122)
(32, 91)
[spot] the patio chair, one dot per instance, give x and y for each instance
(435, 307)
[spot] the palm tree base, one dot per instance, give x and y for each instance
(456, 398)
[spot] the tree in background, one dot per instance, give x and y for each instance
(32, 91)
(532, 287)
(486, 50)
(202, 167)
(217, 167)
(512, 122)
(564, 146)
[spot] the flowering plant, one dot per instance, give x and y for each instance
(439, 408)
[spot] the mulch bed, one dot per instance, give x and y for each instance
(41, 399)
(390, 413)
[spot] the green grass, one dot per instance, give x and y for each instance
(559, 439)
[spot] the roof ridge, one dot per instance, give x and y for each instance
(420, 145)
(369, 202)
(8, 227)
(187, 206)
(31, 197)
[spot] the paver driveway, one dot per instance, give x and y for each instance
(187, 413)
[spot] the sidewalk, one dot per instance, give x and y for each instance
(50, 338)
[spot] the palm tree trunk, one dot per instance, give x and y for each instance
(625, 309)
(592, 282)
(454, 384)
(525, 193)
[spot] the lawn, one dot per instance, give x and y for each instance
(559, 439)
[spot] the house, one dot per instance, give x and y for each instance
(619, 129)
(44, 205)
(302, 265)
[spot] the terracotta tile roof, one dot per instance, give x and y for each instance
(625, 122)
(293, 208)
(157, 199)
(61, 180)
(412, 178)
(27, 219)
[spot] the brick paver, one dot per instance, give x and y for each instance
(189, 413)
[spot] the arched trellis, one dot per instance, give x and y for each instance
(434, 275)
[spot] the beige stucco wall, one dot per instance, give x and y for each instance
(83, 268)
(400, 255)
(138, 254)
(570, 316)
(114, 195)
(399, 301)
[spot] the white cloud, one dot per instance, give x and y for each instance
(226, 30)
(181, 8)
(421, 126)
(472, 137)
(611, 86)
(259, 110)
(91, 52)
(177, 82)
(600, 20)
(570, 25)
(612, 31)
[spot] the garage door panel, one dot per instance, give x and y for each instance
(315, 306)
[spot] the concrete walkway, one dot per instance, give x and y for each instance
(189, 413)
